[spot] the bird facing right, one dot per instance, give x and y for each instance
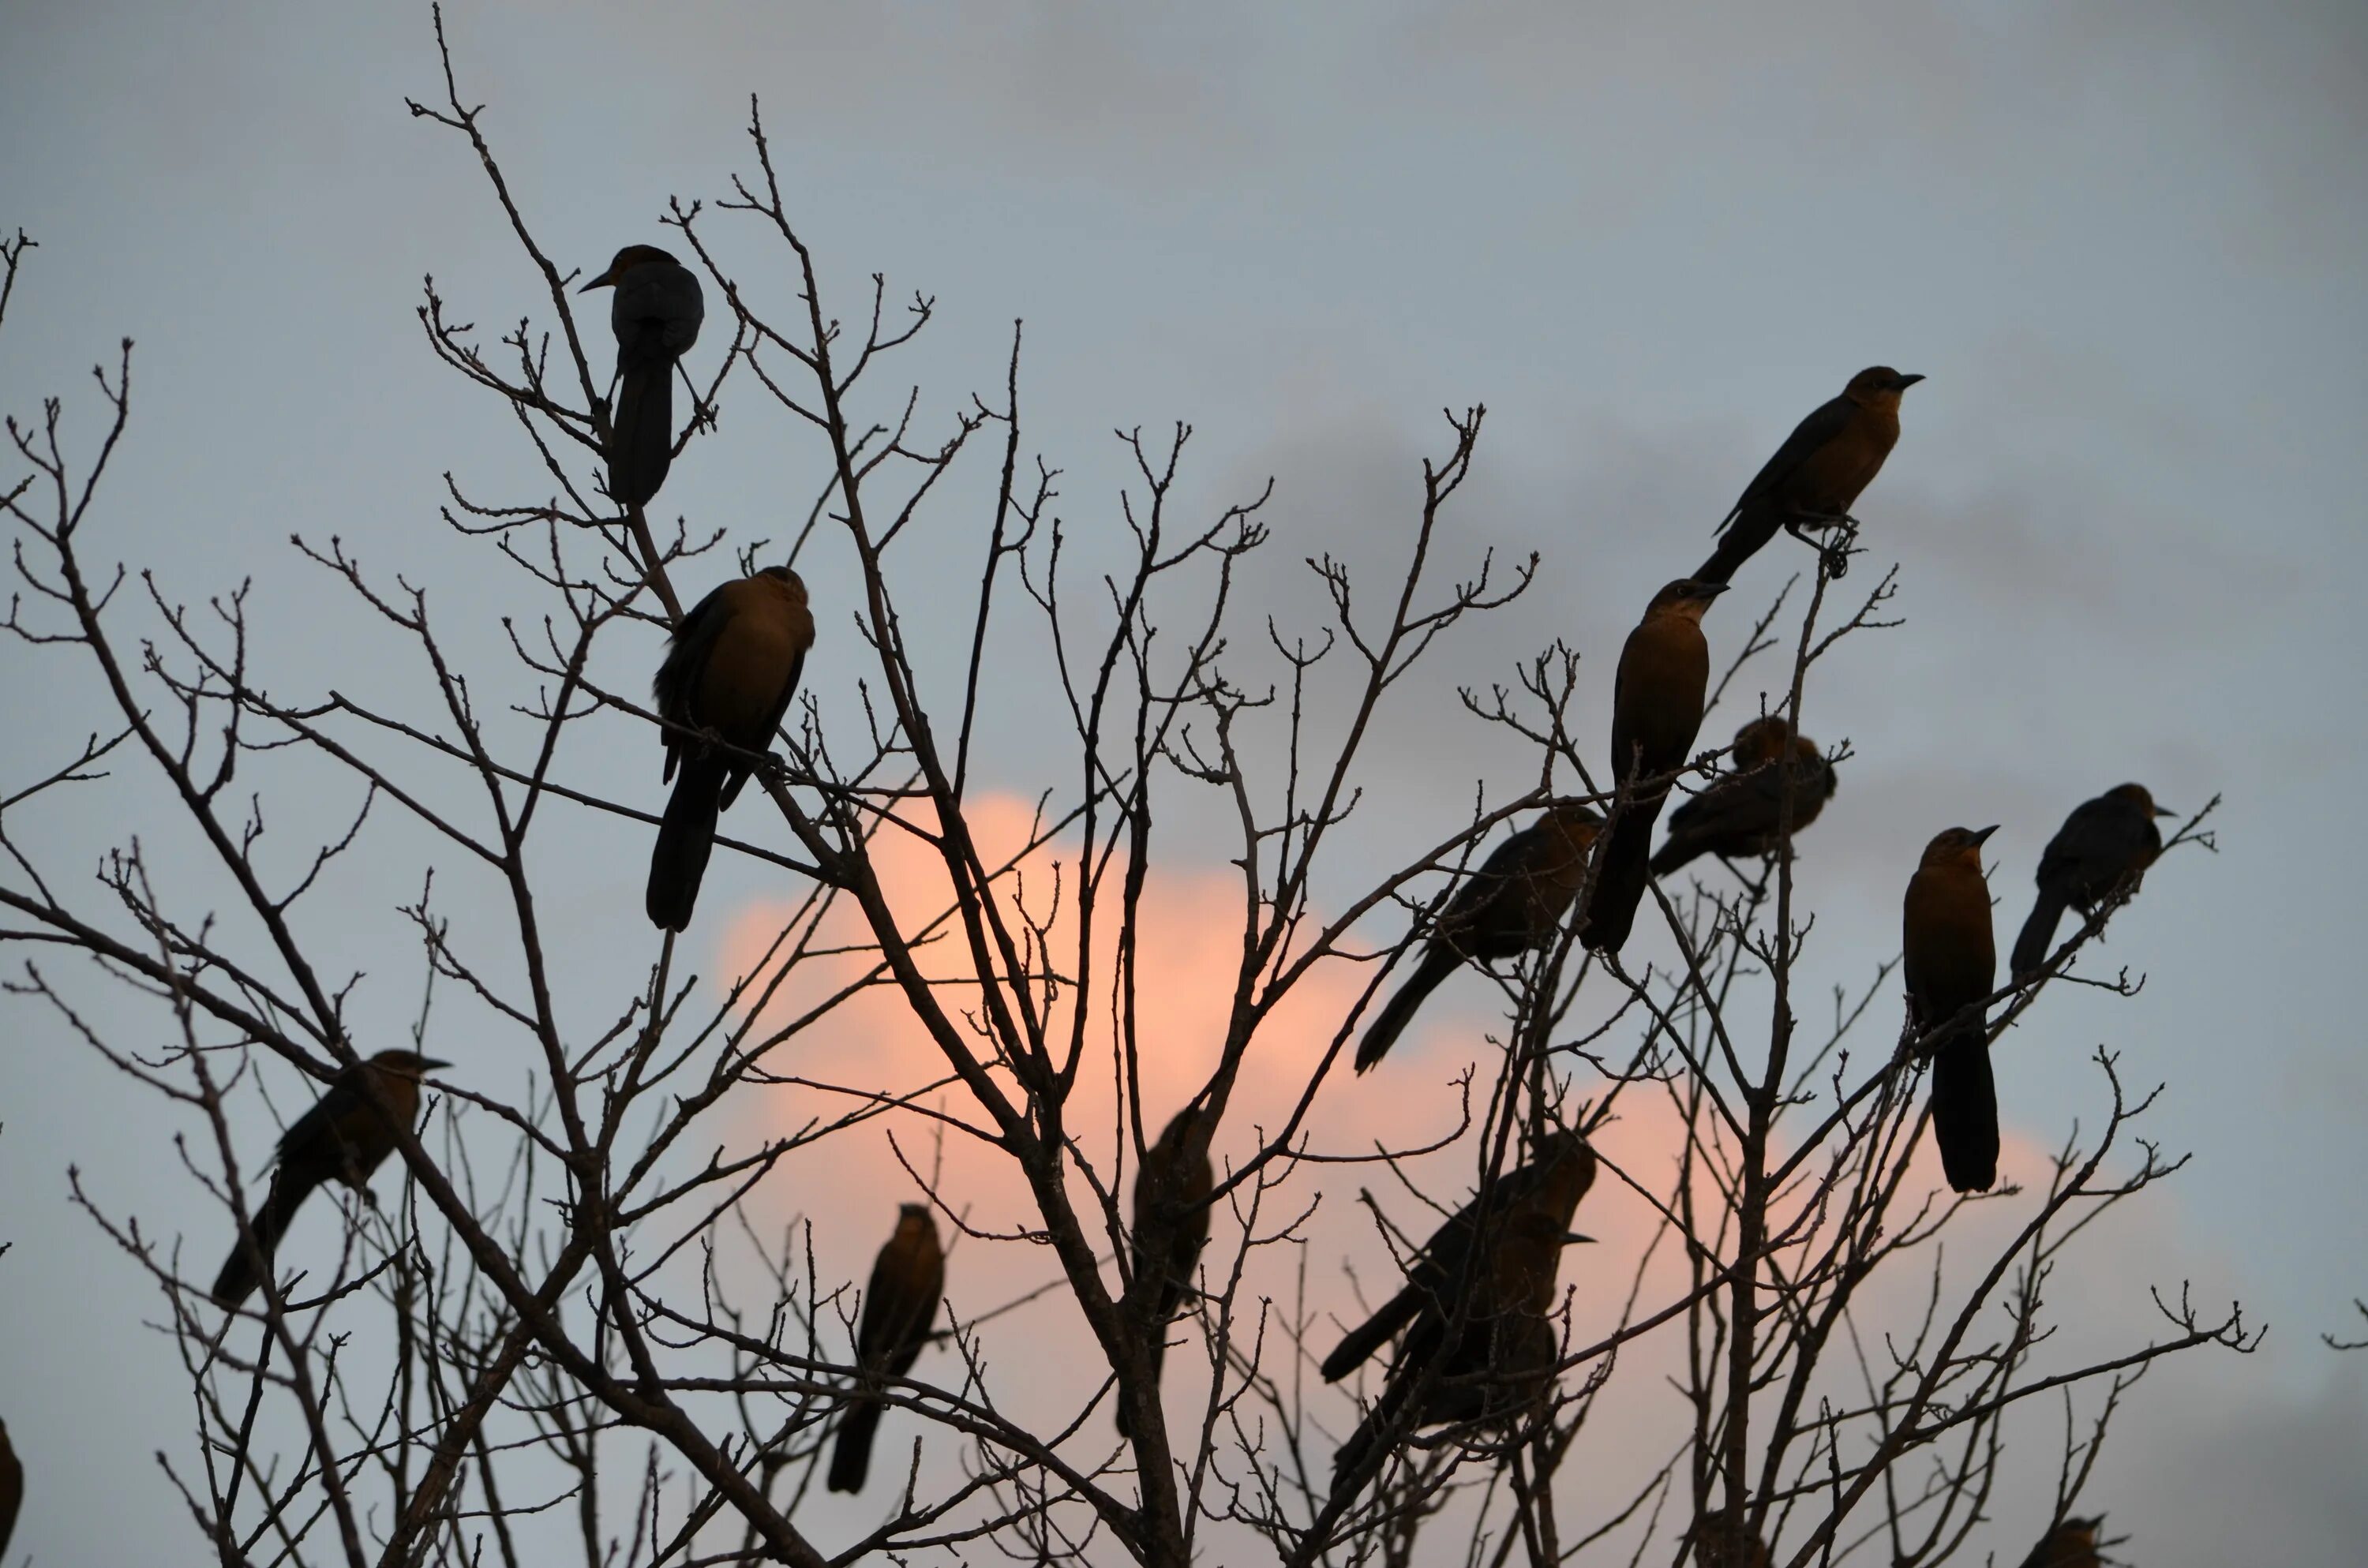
(1501, 1352)
(1951, 960)
(1515, 902)
(729, 674)
(2072, 1544)
(343, 1137)
(1741, 816)
(656, 315)
(1816, 475)
(1657, 710)
(2105, 844)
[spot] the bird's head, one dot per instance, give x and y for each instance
(791, 584)
(1762, 740)
(915, 1217)
(2137, 795)
(1687, 598)
(1958, 846)
(1577, 822)
(1879, 386)
(626, 260)
(407, 1063)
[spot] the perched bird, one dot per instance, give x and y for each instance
(1815, 476)
(1720, 1540)
(1513, 903)
(656, 315)
(344, 1138)
(1737, 817)
(1172, 1211)
(2104, 844)
(1474, 1310)
(12, 1487)
(1952, 962)
(728, 676)
(1657, 708)
(908, 1285)
(2072, 1544)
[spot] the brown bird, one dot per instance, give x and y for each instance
(1512, 904)
(2103, 845)
(1951, 964)
(1473, 1309)
(343, 1137)
(2072, 1544)
(1172, 1211)
(908, 1285)
(656, 315)
(12, 1488)
(1736, 818)
(1657, 708)
(1815, 476)
(727, 678)
(1722, 1541)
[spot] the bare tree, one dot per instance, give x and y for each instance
(582, 1321)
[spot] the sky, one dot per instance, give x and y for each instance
(2122, 241)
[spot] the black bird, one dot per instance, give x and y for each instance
(1513, 903)
(908, 1285)
(344, 1138)
(1951, 961)
(1497, 1357)
(656, 315)
(1737, 817)
(1816, 475)
(2105, 844)
(1171, 1214)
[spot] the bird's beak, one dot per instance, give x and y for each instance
(1570, 1237)
(1904, 382)
(2165, 810)
(1711, 590)
(428, 1061)
(603, 281)
(1981, 835)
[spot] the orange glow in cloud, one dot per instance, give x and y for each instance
(1043, 1365)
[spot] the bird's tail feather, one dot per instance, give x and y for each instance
(1620, 879)
(1372, 1335)
(2038, 935)
(1681, 850)
(850, 1459)
(686, 835)
(1965, 1114)
(1437, 964)
(242, 1271)
(641, 446)
(1158, 1359)
(1353, 1453)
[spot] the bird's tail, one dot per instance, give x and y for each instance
(1620, 879)
(1681, 850)
(1438, 963)
(1964, 1113)
(686, 835)
(1372, 1335)
(640, 430)
(2038, 935)
(244, 1268)
(850, 1459)
(1353, 1453)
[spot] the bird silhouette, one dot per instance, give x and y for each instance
(2105, 844)
(1739, 816)
(1951, 961)
(908, 1285)
(1816, 475)
(655, 314)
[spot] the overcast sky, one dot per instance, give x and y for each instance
(2124, 240)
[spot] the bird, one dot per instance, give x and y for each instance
(1951, 961)
(2072, 1544)
(12, 1488)
(1738, 816)
(344, 1137)
(908, 1285)
(1513, 903)
(728, 676)
(1721, 1540)
(1816, 475)
(1477, 1342)
(1171, 1210)
(656, 315)
(1657, 708)
(2104, 845)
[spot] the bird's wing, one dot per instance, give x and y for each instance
(899, 1306)
(686, 658)
(341, 1099)
(1826, 422)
